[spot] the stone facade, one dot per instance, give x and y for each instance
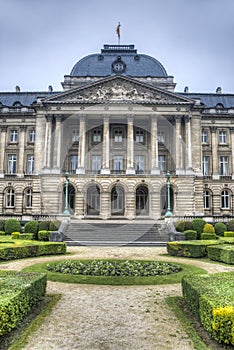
(117, 136)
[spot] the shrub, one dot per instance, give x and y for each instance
(228, 234)
(15, 235)
(31, 227)
(43, 235)
(208, 228)
(2, 225)
(230, 225)
(2, 233)
(54, 225)
(223, 253)
(44, 226)
(189, 249)
(190, 235)
(180, 225)
(208, 236)
(188, 225)
(220, 227)
(26, 236)
(12, 225)
(22, 291)
(198, 225)
(210, 297)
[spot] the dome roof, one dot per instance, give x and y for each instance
(118, 59)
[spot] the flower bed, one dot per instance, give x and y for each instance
(114, 268)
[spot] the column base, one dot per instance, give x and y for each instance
(1, 175)
(155, 171)
(105, 171)
(80, 171)
(215, 177)
(130, 171)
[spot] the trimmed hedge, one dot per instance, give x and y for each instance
(12, 225)
(190, 235)
(19, 292)
(230, 225)
(31, 227)
(54, 225)
(26, 236)
(15, 235)
(2, 233)
(43, 235)
(44, 226)
(220, 227)
(180, 225)
(189, 249)
(228, 234)
(208, 236)
(223, 253)
(210, 297)
(30, 250)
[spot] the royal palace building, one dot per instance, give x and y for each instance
(119, 141)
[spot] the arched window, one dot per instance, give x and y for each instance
(93, 200)
(10, 198)
(28, 198)
(142, 200)
(117, 201)
(207, 199)
(225, 199)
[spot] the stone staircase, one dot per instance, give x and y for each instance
(142, 233)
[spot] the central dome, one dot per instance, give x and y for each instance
(118, 59)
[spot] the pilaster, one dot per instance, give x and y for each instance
(130, 147)
(21, 149)
(215, 173)
(81, 154)
(106, 146)
(154, 146)
(3, 131)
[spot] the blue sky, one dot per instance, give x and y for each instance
(41, 40)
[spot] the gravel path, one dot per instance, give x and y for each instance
(90, 317)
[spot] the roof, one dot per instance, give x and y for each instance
(24, 98)
(134, 64)
(212, 100)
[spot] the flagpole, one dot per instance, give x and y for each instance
(118, 32)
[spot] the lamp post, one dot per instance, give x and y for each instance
(66, 211)
(168, 212)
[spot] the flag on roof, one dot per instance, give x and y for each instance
(118, 30)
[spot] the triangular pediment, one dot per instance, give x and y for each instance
(118, 89)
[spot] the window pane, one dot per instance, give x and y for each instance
(30, 164)
(12, 159)
(205, 165)
(224, 166)
(139, 163)
(118, 163)
(32, 135)
(206, 200)
(162, 163)
(74, 163)
(96, 163)
(14, 136)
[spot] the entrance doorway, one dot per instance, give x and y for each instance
(93, 200)
(117, 201)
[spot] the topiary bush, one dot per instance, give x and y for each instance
(198, 225)
(26, 236)
(54, 225)
(43, 235)
(228, 234)
(180, 225)
(207, 235)
(44, 226)
(15, 235)
(190, 249)
(12, 225)
(2, 233)
(2, 225)
(220, 227)
(230, 225)
(190, 235)
(31, 227)
(208, 228)
(188, 225)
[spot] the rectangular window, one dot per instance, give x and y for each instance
(225, 199)
(96, 163)
(162, 163)
(97, 135)
(30, 164)
(139, 164)
(224, 166)
(12, 162)
(204, 136)
(205, 166)
(206, 197)
(222, 137)
(32, 135)
(161, 136)
(118, 135)
(10, 198)
(14, 136)
(75, 135)
(139, 136)
(73, 163)
(118, 163)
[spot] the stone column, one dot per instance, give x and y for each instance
(106, 146)
(21, 150)
(3, 131)
(130, 148)
(82, 138)
(48, 139)
(232, 147)
(178, 145)
(188, 150)
(154, 146)
(215, 172)
(57, 143)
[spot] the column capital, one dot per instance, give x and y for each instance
(177, 118)
(231, 130)
(213, 129)
(49, 117)
(58, 117)
(106, 118)
(130, 118)
(83, 117)
(187, 118)
(3, 128)
(23, 128)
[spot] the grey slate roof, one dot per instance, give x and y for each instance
(211, 100)
(100, 65)
(25, 98)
